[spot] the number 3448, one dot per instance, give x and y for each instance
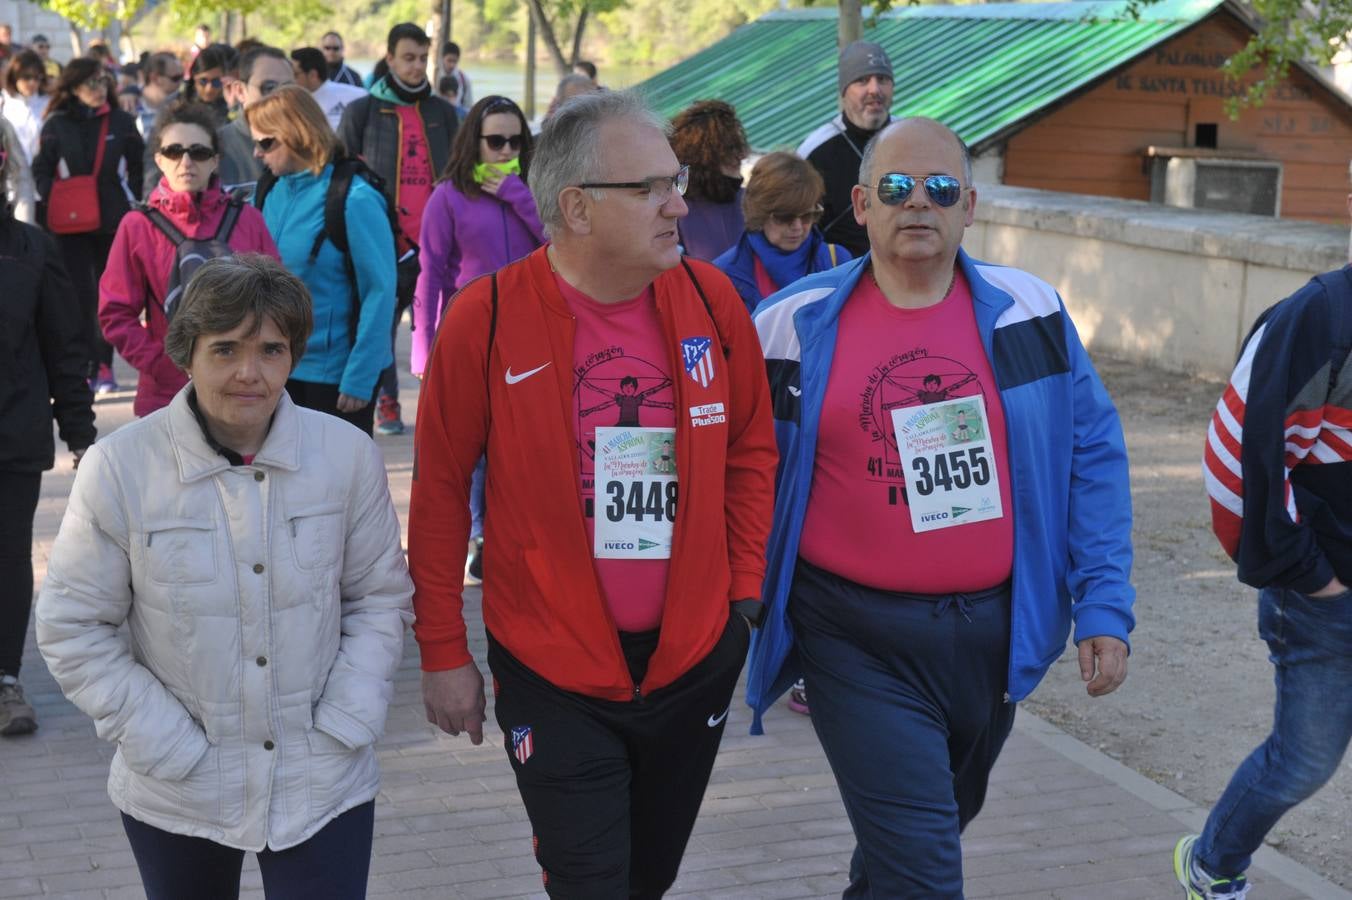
(656, 500)
(956, 469)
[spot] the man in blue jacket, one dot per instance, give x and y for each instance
(952, 496)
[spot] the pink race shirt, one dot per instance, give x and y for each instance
(858, 525)
(621, 376)
(415, 172)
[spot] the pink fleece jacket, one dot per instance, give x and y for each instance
(137, 278)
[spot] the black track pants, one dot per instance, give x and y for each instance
(612, 789)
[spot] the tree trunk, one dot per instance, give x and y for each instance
(851, 22)
(76, 40)
(529, 109)
(577, 36)
(443, 31)
(547, 32)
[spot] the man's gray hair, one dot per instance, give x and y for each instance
(568, 151)
(866, 162)
(230, 290)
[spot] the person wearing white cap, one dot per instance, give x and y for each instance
(864, 80)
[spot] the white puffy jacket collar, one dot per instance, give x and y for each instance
(197, 459)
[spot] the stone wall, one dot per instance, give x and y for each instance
(1174, 288)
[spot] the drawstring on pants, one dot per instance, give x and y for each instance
(964, 605)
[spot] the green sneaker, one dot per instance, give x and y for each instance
(1197, 883)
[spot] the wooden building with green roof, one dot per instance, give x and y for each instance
(1073, 96)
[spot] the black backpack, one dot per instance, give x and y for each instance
(190, 253)
(345, 168)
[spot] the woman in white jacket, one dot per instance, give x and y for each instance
(23, 104)
(252, 551)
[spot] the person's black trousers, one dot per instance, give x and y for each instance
(324, 398)
(18, 503)
(86, 256)
(333, 864)
(613, 788)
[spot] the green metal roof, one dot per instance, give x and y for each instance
(980, 69)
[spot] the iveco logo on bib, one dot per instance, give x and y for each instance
(619, 545)
(934, 517)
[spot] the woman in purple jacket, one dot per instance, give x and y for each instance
(480, 217)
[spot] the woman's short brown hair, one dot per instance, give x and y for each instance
(707, 136)
(230, 290)
(780, 183)
(293, 117)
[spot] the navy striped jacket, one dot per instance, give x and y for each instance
(1067, 459)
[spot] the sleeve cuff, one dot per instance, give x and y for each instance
(442, 657)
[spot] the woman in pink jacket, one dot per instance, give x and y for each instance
(147, 270)
(480, 217)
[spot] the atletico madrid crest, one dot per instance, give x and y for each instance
(699, 362)
(523, 744)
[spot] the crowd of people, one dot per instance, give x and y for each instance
(782, 421)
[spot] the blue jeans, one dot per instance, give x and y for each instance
(1311, 646)
(907, 699)
(332, 865)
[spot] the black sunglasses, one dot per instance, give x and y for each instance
(266, 144)
(196, 153)
(894, 188)
(203, 82)
(498, 141)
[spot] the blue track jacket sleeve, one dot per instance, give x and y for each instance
(1099, 519)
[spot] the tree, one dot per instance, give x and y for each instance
(551, 15)
(91, 15)
(288, 20)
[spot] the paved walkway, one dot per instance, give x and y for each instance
(1061, 821)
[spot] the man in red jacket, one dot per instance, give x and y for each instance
(620, 395)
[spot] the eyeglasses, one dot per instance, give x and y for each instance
(498, 141)
(205, 82)
(787, 220)
(175, 78)
(196, 153)
(333, 49)
(268, 87)
(95, 84)
(894, 187)
(266, 144)
(658, 188)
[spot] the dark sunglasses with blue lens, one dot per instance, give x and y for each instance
(894, 187)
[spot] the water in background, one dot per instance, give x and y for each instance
(509, 79)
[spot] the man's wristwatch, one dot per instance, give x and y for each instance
(750, 609)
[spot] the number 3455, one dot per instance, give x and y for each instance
(955, 469)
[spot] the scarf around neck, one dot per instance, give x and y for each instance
(395, 91)
(786, 268)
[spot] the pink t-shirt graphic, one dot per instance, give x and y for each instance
(858, 524)
(621, 376)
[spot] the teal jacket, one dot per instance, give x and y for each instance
(1067, 459)
(294, 211)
